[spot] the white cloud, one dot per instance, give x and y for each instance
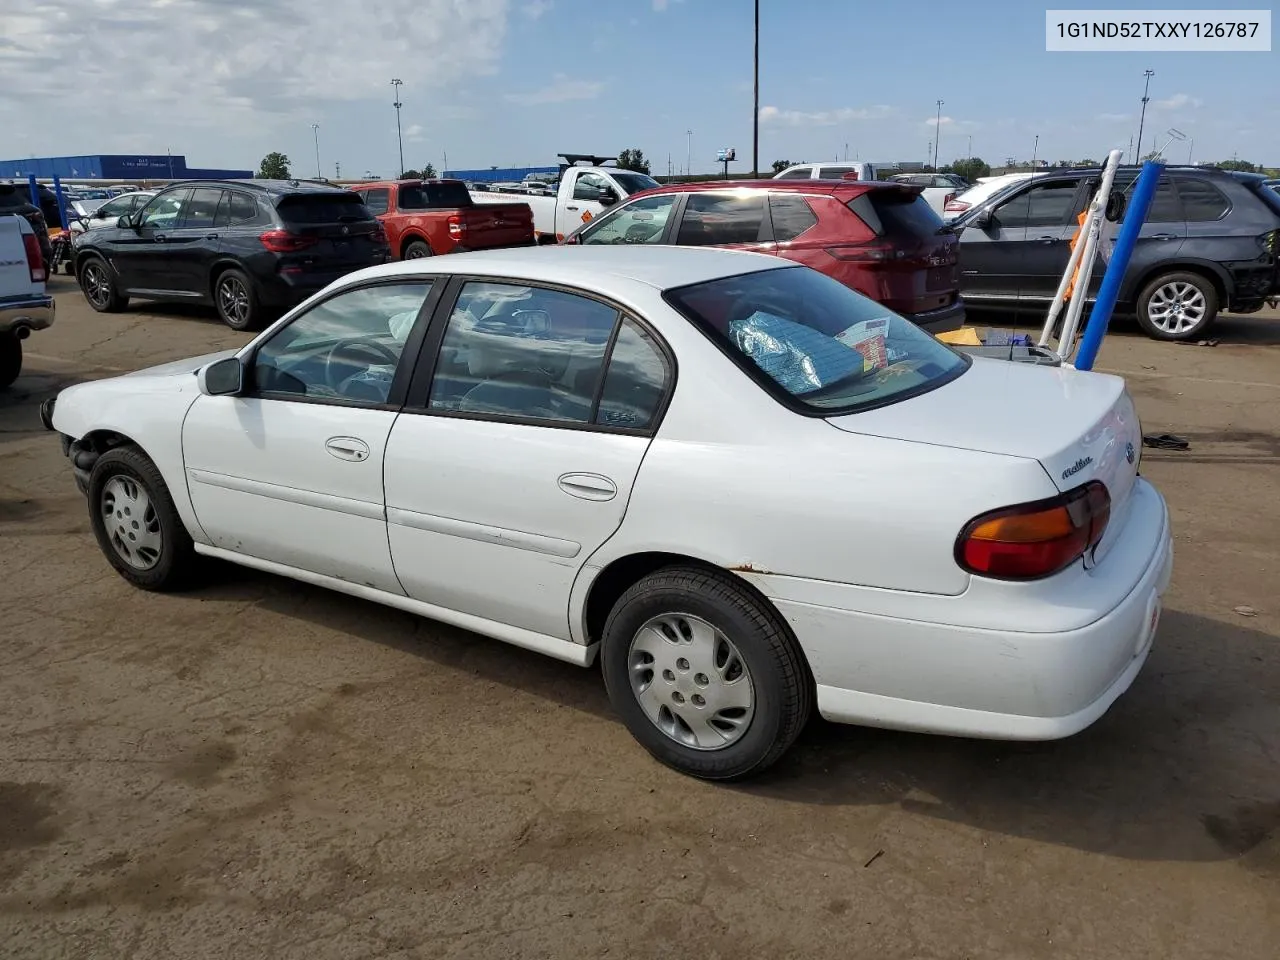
(1178, 101)
(822, 118)
(935, 121)
(1113, 117)
(559, 90)
(536, 8)
(659, 6)
(413, 133)
(231, 66)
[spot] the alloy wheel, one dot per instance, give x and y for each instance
(97, 286)
(233, 301)
(1176, 307)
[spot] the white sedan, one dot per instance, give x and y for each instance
(745, 487)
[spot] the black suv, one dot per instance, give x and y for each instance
(249, 247)
(1210, 243)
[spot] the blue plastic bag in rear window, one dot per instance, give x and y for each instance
(799, 357)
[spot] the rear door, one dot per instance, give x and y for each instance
(735, 219)
(342, 234)
(1163, 232)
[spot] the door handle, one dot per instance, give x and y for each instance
(570, 207)
(1049, 240)
(1163, 236)
(588, 486)
(347, 448)
(158, 238)
(211, 236)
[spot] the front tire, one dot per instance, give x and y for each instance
(10, 359)
(136, 522)
(705, 674)
(237, 301)
(1177, 306)
(98, 283)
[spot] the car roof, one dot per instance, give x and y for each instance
(365, 184)
(274, 188)
(775, 186)
(603, 269)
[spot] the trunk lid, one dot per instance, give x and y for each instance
(923, 272)
(343, 229)
(1079, 426)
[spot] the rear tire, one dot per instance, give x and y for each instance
(705, 674)
(1177, 306)
(10, 359)
(136, 523)
(415, 250)
(237, 301)
(98, 283)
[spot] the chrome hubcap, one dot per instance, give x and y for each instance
(131, 522)
(96, 286)
(1176, 307)
(691, 681)
(234, 300)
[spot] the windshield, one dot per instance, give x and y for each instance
(813, 342)
(634, 182)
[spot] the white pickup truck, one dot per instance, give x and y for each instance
(583, 193)
(24, 306)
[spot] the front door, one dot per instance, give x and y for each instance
(140, 256)
(291, 470)
(516, 462)
(585, 202)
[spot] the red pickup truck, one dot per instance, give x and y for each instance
(424, 218)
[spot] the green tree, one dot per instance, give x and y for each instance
(411, 175)
(972, 168)
(633, 159)
(274, 166)
(429, 172)
(780, 165)
(1242, 166)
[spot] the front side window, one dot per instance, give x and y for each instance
(162, 212)
(1045, 205)
(815, 343)
(591, 186)
(114, 209)
(346, 348)
(640, 221)
(712, 219)
(522, 352)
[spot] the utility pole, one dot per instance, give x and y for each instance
(1143, 119)
(397, 84)
(1035, 152)
(937, 135)
(1190, 150)
(337, 170)
(315, 129)
(755, 114)
(1131, 148)
(688, 161)
(971, 146)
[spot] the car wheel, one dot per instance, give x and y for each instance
(1177, 306)
(10, 359)
(236, 300)
(98, 282)
(705, 674)
(416, 250)
(136, 523)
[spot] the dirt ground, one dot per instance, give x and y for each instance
(264, 769)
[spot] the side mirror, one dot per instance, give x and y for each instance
(124, 223)
(222, 378)
(983, 220)
(608, 198)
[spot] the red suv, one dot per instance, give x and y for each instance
(881, 239)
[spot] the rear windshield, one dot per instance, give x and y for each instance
(313, 208)
(896, 213)
(426, 196)
(814, 343)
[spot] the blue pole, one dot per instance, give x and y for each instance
(35, 191)
(1135, 215)
(62, 202)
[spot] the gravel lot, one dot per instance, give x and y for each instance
(264, 769)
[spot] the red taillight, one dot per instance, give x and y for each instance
(456, 226)
(378, 234)
(35, 259)
(947, 199)
(956, 206)
(1034, 540)
(878, 252)
(282, 241)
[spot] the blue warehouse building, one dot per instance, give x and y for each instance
(495, 174)
(116, 166)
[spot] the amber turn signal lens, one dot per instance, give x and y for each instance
(1034, 540)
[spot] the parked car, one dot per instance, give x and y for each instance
(16, 198)
(849, 170)
(249, 247)
(109, 212)
(744, 486)
(584, 193)
(1209, 243)
(880, 239)
(938, 189)
(984, 188)
(24, 305)
(423, 218)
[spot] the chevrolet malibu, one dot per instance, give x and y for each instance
(746, 488)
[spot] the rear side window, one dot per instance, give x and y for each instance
(315, 208)
(238, 210)
(896, 213)
(1165, 205)
(834, 173)
(711, 219)
(1202, 201)
(634, 383)
(804, 173)
(791, 216)
(427, 196)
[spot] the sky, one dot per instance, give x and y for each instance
(514, 82)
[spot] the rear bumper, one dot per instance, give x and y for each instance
(20, 317)
(289, 289)
(941, 320)
(1010, 684)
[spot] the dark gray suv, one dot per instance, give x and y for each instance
(1210, 243)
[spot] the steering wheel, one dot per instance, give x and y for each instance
(369, 347)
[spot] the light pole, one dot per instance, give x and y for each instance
(1190, 150)
(1035, 152)
(397, 84)
(688, 160)
(315, 129)
(937, 135)
(971, 146)
(755, 115)
(1146, 88)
